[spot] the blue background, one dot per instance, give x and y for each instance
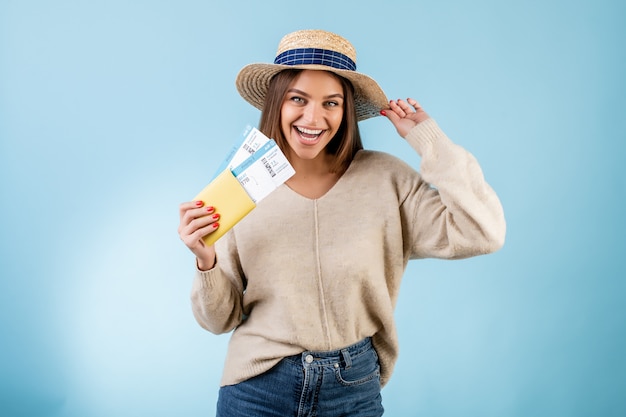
(113, 112)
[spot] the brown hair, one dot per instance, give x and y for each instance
(347, 140)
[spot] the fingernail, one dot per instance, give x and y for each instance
(216, 225)
(216, 216)
(210, 209)
(199, 203)
(384, 113)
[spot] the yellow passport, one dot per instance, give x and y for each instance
(230, 200)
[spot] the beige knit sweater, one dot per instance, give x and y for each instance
(299, 274)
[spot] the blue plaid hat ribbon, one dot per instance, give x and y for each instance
(316, 56)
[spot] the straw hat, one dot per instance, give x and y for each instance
(316, 50)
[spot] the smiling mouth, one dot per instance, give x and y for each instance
(309, 135)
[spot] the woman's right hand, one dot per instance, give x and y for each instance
(197, 221)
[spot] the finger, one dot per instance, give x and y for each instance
(406, 108)
(397, 109)
(198, 228)
(196, 237)
(191, 214)
(420, 113)
(415, 104)
(184, 207)
(391, 115)
(194, 213)
(206, 217)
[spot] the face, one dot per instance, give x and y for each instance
(311, 114)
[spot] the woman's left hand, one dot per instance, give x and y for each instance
(405, 115)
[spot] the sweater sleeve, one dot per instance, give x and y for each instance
(217, 294)
(453, 212)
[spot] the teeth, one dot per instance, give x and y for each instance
(309, 131)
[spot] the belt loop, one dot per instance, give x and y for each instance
(346, 358)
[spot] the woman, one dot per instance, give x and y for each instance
(310, 278)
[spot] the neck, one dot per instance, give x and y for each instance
(313, 178)
(307, 168)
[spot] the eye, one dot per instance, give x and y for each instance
(334, 102)
(297, 99)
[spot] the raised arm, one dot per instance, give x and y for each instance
(453, 213)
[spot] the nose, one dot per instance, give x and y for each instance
(312, 113)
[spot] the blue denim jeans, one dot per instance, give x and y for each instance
(340, 383)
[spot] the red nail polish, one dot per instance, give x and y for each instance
(210, 209)
(199, 203)
(384, 113)
(216, 216)
(216, 225)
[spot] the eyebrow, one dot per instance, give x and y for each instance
(295, 90)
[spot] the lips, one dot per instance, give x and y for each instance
(309, 135)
